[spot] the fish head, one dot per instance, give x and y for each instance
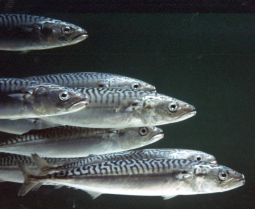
(58, 33)
(213, 178)
(196, 155)
(50, 99)
(163, 109)
(131, 138)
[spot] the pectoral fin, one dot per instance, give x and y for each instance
(183, 175)
(17, 96)
(130, 106)
(24, 96)
(93, 195)
(168, 197)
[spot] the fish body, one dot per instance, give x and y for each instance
(119, 108)
(142, 154)
(9, 170)
(142, 177)
(9, 166)
(22, 126)
(23, 32)
(30, 99)
(93, 80)
(73, 142)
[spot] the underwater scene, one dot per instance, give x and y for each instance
(127, 110)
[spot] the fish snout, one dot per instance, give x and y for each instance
(82, 34)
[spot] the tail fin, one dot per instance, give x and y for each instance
(29, 182)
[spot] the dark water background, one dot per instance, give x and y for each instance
(205, 59)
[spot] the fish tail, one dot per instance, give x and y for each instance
(30, 183)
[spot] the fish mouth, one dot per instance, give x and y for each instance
(79, 106)
(235, 182)
(186, 115)
(214, 162)
(81, 36)
(239, 182)
(150, 88)
(242, 180)
(157, 137)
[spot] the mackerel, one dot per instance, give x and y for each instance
(22, 126)
(141, 177)
(30, 99)
(119, 108)
(93, 80)
(72, 142)
(23, 32)
(9, 170)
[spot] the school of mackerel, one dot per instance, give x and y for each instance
(79, 129)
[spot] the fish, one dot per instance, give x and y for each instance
(9, 163)
(187, 154)
(124, 108)
(141, 177)
(22, 126)
(24, 32)
(71, 142)
(93, 80)
(29, 99)
(9, 166)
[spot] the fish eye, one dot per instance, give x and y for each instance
(67, 29)
(143, 131)
(184, 172)
(223, 176)
(101, 85)
(134, 104)
(198, 158)
(63, 96)
(135, 85)
(173, 106)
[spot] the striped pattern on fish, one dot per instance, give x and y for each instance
(142, 154)
(119, 108)
(13, 160)
(9, 20)
(15, 84)
(128, 167)
(54, 133)
(93, 79)
(23, 32)
(79, 142)
(113, 96)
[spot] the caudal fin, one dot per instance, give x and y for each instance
(30, 183)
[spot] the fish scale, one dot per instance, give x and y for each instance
(67, 78)
(23, 32)
(10, 20)
(7, 160)
(53, 133)
(79, 142)
(92, 79)
(128, 167)
(15, 84)
(99, 96)
(119, 108)
(22, 99)
(139, 154)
